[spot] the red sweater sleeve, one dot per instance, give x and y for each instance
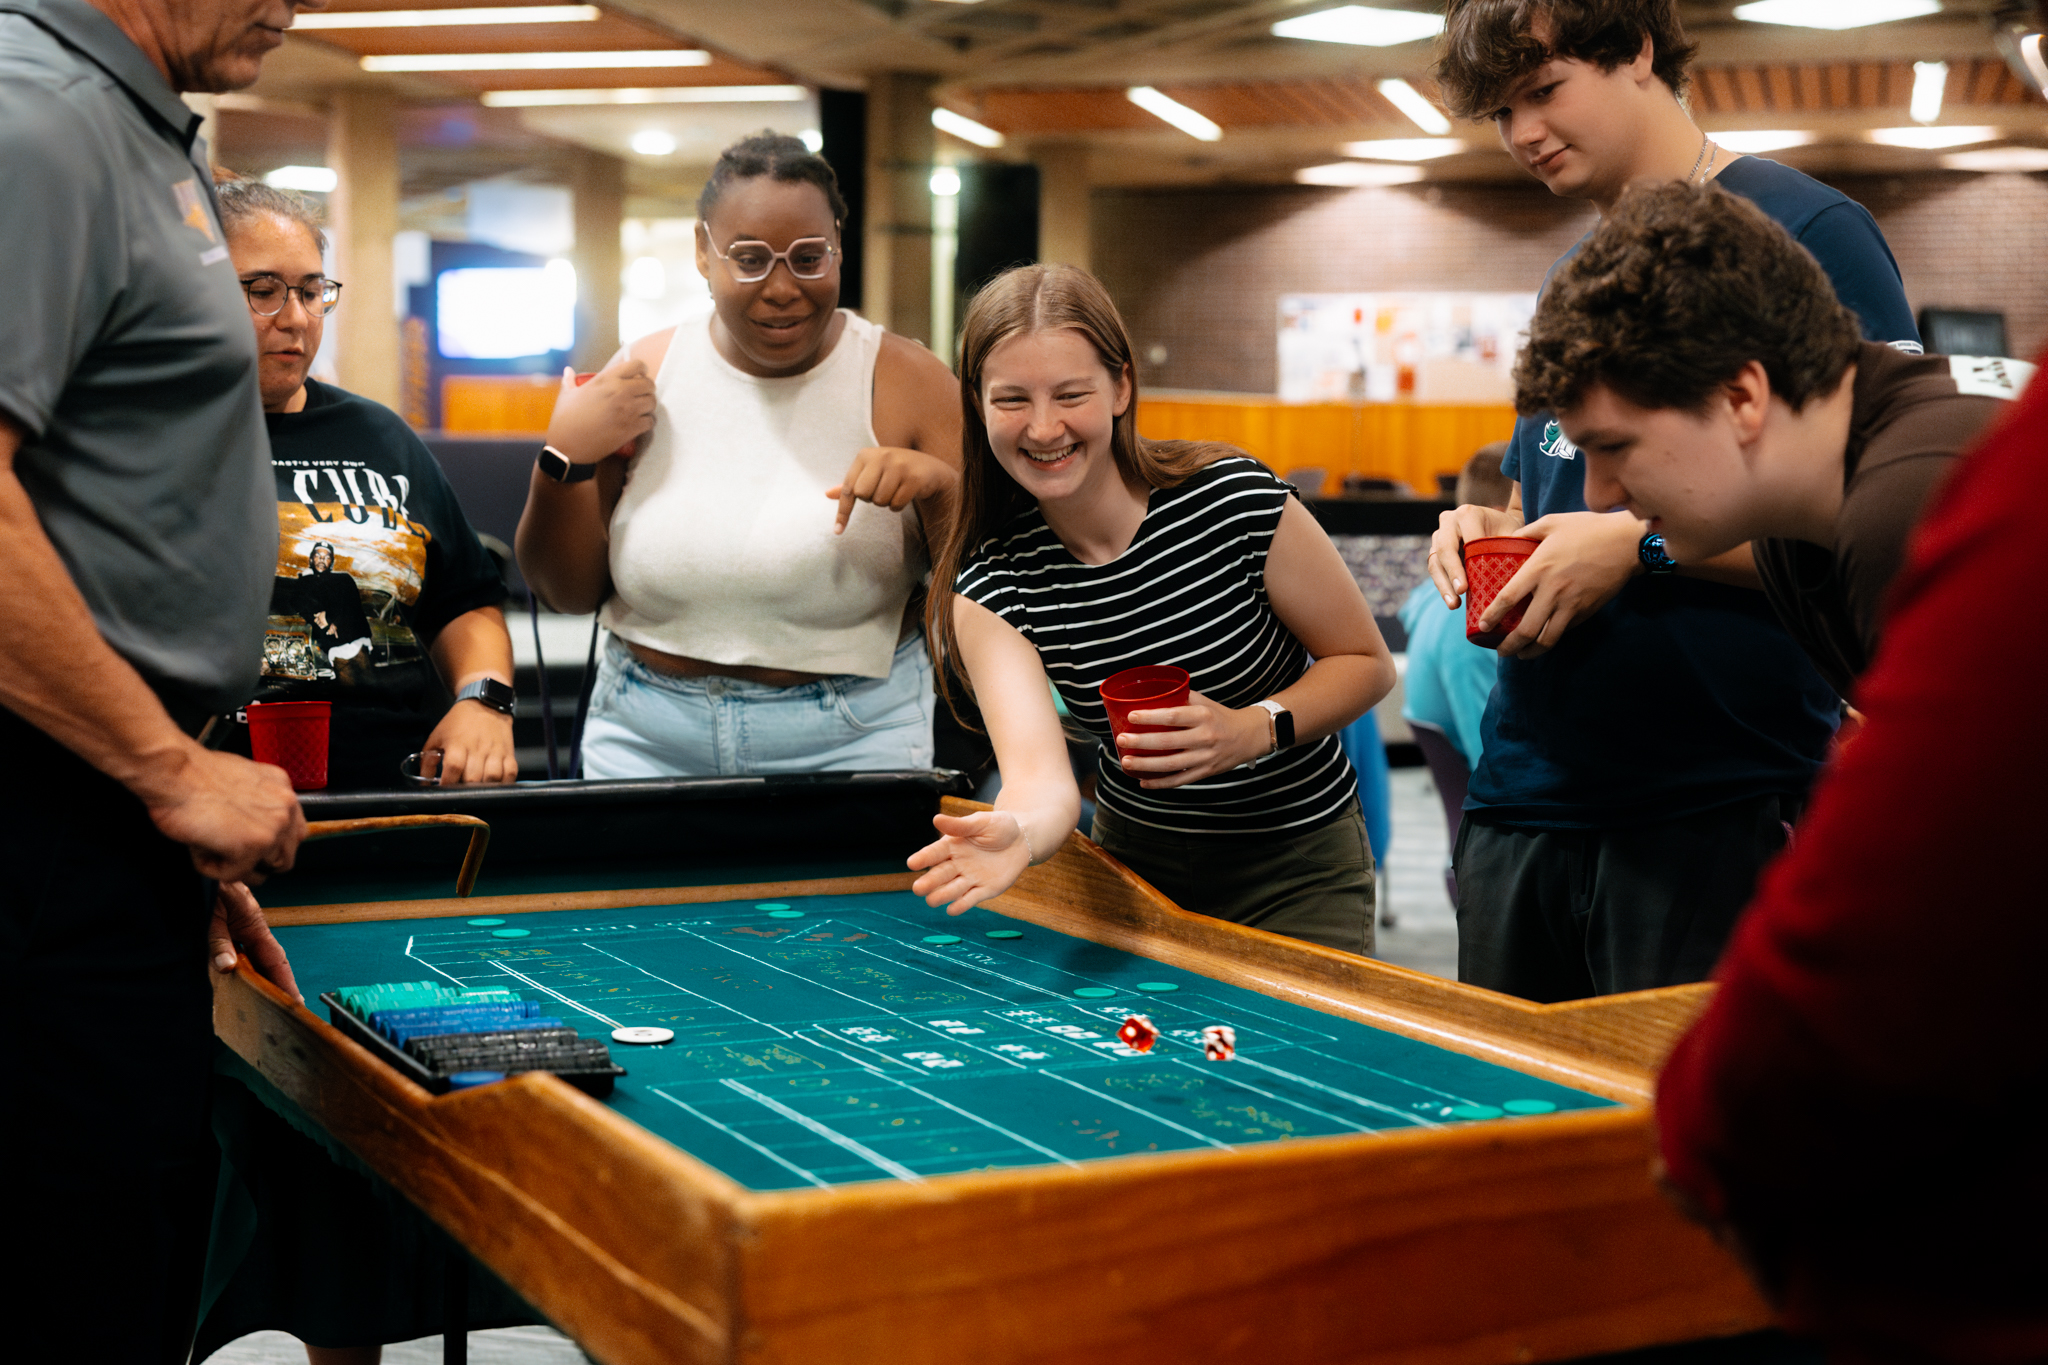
(1865, 1102)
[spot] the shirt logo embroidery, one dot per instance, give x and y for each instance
(193, 205)
(1554, 444)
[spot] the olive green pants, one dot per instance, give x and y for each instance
(1316, 886)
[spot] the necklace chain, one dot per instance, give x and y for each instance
(1692, 177)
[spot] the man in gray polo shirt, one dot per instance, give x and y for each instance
(137, 543)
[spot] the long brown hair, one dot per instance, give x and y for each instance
(1035, 298)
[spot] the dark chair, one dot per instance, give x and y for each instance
(1308, 480)
(1448, 769)
(1366, 485)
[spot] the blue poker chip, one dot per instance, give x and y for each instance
(464, 1080)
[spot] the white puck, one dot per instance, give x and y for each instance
(643, 1035)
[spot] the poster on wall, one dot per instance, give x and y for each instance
(1385, 348)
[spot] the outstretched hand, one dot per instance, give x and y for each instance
(891, 477)
(238, 924)
(975, 858)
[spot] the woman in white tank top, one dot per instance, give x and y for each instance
(758, 611)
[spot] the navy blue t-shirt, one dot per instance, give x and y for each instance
(1679, 695)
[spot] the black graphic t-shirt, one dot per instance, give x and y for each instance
(374, 557)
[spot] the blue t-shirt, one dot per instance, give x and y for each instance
(1679, 695)
(1449, 678)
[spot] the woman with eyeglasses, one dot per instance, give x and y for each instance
(757, 555)
(380, 580)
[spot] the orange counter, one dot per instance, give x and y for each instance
(1411, 442)
(476, 403)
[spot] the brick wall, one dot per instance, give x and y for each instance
(1968, 241)
(1200, 272)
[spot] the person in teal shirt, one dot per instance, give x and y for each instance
(1449, 678)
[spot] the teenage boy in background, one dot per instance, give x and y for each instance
(1651, 732)
(1695, 355)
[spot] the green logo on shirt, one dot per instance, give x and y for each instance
(1555, 445)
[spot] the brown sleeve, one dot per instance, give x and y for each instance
(1894, 483)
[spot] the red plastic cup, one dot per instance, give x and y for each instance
(293, 735)
(1151, 688)
(1489, 564)
(581, 380)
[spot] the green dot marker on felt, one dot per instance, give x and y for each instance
(785, 913)
(1093, 992)
(485, 923)
(510, 933)
(1530, 1107)
(1004, 933)
(942, 939)
(1474, 1111)
(1157, 987)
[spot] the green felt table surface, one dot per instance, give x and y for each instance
(831, 1043)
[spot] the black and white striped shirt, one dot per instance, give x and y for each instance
(1191, 591)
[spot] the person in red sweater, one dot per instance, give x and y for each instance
(1862, 1112)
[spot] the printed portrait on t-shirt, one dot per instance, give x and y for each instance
(350, 564)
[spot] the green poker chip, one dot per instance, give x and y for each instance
(510, 933)
(1529, 1107)
(1093, 992)
(1157, 987)
(1004, 933)
(485, 923)
(942, 940)
(1474, 1111)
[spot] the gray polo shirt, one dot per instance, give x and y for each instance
(128, 356)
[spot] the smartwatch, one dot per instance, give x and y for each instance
(491, 693)
(1283, 724)
(562, 469)
(1651, 552)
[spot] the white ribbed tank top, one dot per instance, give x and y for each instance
(722, 546)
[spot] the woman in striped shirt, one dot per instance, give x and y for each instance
(1080, 550)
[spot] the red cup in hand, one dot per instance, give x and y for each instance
(1489, 564)
(292, 735)
(1154, 687)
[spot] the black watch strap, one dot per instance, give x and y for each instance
(562, 469)
(1654, 558)
(491, 693)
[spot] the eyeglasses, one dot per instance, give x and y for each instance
(808, 258)
(268, 295)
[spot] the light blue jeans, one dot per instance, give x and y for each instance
(648, 724)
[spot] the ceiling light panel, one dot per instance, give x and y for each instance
(1174, 112)
(1362, 26)
(1419, 110)
(1930, 79)
(673, 94)
(538, 61)
(966, 129)
(1404, 148)
(1354, 173)
(439, 18)
(1834, 14)
(1999, 159)
(1952, 136)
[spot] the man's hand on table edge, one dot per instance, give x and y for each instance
(238, 925)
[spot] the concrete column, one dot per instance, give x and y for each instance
(897, 288)
(1062, 202)
(362, 218)
(598, 185)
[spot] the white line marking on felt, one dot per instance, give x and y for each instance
(720, 1004)
(1018, 1138)
(1210, 1074)
(867, 1154)
(1169, 1123)
(1388, 1075)
(549, 990)
(1340, 1094)
(730, 1131)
